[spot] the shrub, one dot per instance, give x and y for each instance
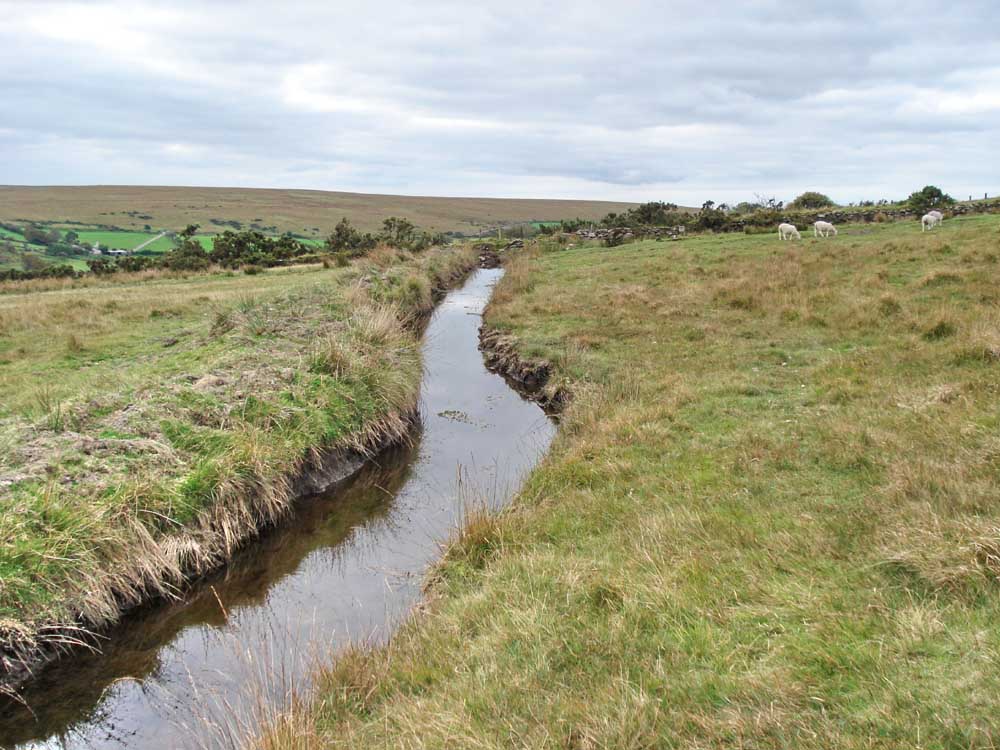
(45, 272)
(572, 225)
(811, 199)
(189, 255)
(654, 213)
(101, 267)
(32, 263)
(133, 263)
(36, 235)
(711, 217)
(346, 239)
(397, 232)
(928, 198)
(236, 249)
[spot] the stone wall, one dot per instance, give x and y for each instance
(618, 235)
(868, 215)
(802, 219)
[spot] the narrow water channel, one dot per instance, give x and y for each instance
(348, 566)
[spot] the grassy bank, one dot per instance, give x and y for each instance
(770, 518)
(151, 423)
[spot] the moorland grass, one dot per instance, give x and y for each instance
(150, 423)
(311, 213)
(770, 518)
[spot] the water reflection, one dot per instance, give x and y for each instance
(348, 566)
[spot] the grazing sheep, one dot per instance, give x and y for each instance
(824, 229)
(940, 216)
(929, 221)
(788, 231)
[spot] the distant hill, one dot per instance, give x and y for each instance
(311, 213)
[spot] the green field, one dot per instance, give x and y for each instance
(771, 518)
(174, 408)
(125, 240)
(80, 264)
(108, 239)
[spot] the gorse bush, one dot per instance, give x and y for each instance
(42, 272)
(349, 241)
(811, 199)
(652, 214)
(189, 255)
(928, 198)
(235, 249)
(396, 232)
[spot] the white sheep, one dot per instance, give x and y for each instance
(940, 216)
(930, 220)
(788, 231)
(824, 229)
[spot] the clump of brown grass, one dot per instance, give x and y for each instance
(982, 341)
(941, 329)
(889, 305)
(74, 344)
(383, 257)
(517, 279)
(940, 278)
(945, 553)
(478, 538)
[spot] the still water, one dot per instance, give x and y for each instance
(348, 566)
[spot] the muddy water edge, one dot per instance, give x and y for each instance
(347, 566)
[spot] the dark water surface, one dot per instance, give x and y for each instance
(348, 566)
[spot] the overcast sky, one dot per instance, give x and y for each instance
(680, 101)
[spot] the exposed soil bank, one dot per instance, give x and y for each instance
(28, 656)
(345, 565)
(528, 376)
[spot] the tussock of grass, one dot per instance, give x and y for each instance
(176, 432)
(781, 531)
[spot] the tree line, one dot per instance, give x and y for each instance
(762, 211)
(250, 250)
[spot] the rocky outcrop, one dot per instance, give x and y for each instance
(492, 256)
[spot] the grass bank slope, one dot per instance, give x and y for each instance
(151, 424)
(771, 519)
(305, 212)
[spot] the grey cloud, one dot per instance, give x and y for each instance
(681, 101)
